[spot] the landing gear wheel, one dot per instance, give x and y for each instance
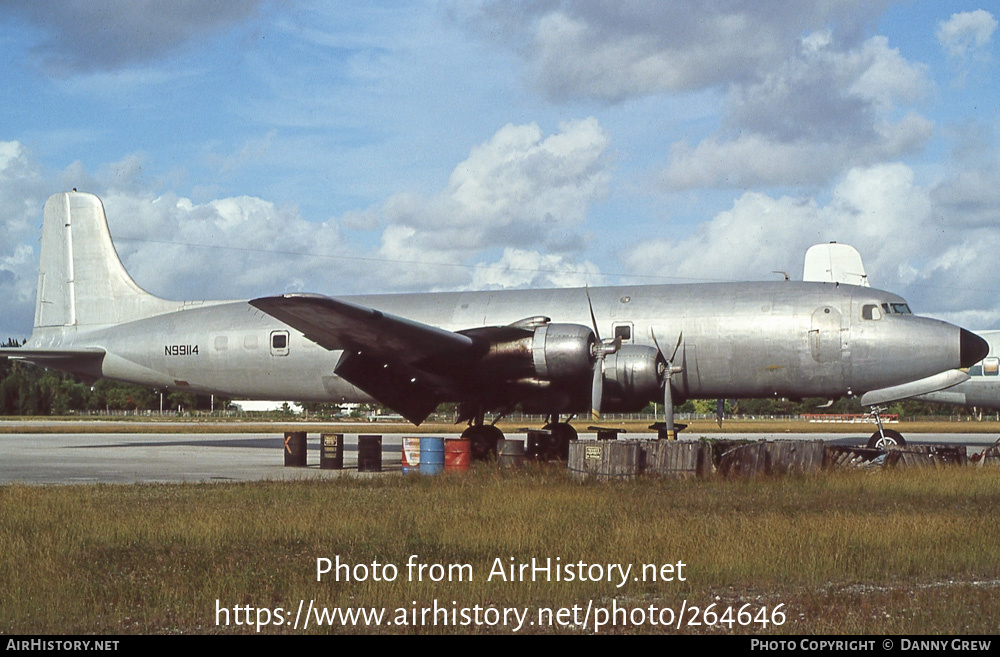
(483, 441)
(562, 433)
(891, 438)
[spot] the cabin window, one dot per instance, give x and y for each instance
(279, 343)
(976, 370)
(250, 342)
(991, 367)
(221, 343)
(870, 311)
(624, 331)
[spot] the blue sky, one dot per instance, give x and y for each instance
(252, 148)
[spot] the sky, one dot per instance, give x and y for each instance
(253, 148)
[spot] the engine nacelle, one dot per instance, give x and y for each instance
(633, 377)
(551, 352)
(562, 351)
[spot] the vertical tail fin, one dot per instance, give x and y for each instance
(81, 280)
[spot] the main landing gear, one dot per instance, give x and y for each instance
(483, 439)
(883, 438)
(550, 443)
(560, 436)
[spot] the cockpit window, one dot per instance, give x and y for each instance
(895, 309)
(870, 311)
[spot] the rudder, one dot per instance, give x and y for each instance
(81, 280)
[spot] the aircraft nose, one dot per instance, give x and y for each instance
(973, 348)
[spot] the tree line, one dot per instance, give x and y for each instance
(26, 389)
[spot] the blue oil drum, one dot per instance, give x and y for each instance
(431, 455)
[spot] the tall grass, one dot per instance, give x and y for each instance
(907, 551)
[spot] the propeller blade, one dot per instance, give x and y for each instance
(673, 356)
(668, 405)
(669, 371)
(602, 349)
(720, 407)
(597, 390)
(670, 361)
(593, 319)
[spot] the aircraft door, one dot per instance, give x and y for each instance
(825, 335)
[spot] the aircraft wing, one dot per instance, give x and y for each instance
(406, 365)
(923, 386)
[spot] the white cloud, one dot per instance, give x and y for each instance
(805, 122)
(964, 38)
(966, 31)
(226, 248)
(881, 210)
(808, 96)
(519, 268)
(519, 189)
(22, 191)
(620, 50)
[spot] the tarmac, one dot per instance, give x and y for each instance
(126, 458)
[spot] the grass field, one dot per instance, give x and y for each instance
(884, 552)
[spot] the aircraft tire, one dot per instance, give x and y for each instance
(891, 438)
(483, 441)
(562, 433)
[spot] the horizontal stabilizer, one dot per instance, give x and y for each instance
(85, 362)
(42, 355)
(914, 388)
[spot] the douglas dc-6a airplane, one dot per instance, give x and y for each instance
(557, 351)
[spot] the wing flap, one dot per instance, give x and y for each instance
(409, 392)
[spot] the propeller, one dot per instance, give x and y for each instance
(669, 371)
(600, 350)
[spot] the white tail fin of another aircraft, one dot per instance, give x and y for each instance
(834, 263)
(81, 280)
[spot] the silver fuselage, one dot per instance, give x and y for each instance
(743, 340)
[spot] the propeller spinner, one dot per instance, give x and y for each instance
(669, 371)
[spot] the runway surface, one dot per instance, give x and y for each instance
(48, 458)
